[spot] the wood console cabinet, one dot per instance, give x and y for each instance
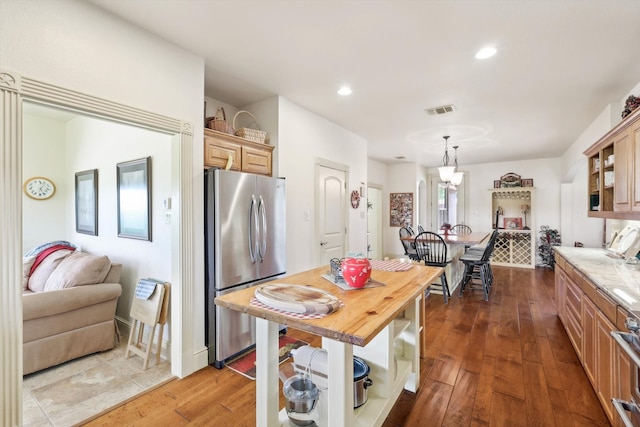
(614, 172)
(516, 243)
(246, 156)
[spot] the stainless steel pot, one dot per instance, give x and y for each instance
(361, 381)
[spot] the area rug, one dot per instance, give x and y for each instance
(246, 364)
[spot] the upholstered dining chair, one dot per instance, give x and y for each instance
(432, 250)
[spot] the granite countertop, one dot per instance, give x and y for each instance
(619, 279)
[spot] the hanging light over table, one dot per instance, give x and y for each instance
(456, 178)
(446, 171)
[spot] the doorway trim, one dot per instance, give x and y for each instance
(16, 89)
(382, 218)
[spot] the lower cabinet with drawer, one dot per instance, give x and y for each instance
(573, 314)
(594, 346)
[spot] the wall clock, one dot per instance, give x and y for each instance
(355, 199)
(39, 188)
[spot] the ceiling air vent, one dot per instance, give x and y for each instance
(441, 110)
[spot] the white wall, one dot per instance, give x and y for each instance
(43, 154)
(100, 144)
(401, 178)
(304, 137)
(376, 172)
(478, 180)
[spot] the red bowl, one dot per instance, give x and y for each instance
(356, 271)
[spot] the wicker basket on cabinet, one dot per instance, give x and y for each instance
(254, 135)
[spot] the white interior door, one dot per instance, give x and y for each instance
(374, 223)
(330, 206)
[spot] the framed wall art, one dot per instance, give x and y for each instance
(513, 223)
(134, 199)
(400, 209)
(87, 202)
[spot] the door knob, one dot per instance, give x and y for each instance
(323, 243)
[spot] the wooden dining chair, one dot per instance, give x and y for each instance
(477, 266)
(461, 229)
(432, 250)
(409, 249)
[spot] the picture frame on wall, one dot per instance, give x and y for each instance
(86, 186)
(400, 209)
(513, 223)
(134, 199)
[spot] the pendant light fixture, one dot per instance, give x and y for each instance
(456, 178)
(446, 171)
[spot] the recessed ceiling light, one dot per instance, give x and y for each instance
(344, 91)
(486, 52)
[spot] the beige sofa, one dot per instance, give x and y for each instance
(69, 304)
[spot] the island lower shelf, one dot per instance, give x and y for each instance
(377, 407)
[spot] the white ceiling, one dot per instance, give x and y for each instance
(559, 64)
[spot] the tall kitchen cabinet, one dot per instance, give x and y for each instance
(614, 171)
(516, 242)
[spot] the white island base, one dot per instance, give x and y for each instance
(393, 356)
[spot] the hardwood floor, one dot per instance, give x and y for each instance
(505, 362)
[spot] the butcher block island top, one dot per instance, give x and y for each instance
(363, 312)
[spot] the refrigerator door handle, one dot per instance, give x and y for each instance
(253, 225)
(262, 210)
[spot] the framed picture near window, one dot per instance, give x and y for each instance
(87, 202)
(134, 199)
(400, 209)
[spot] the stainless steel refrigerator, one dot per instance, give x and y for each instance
(245, 244)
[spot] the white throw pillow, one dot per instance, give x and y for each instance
(79, 268)
(27, 263)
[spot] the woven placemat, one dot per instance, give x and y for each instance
(257, 303)
(390, 265)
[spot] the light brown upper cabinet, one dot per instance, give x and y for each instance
(614, 171)
(222, 150)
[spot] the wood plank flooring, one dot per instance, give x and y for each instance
(505, 362)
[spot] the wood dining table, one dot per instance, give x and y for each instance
(457, 243)
(466, 239)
